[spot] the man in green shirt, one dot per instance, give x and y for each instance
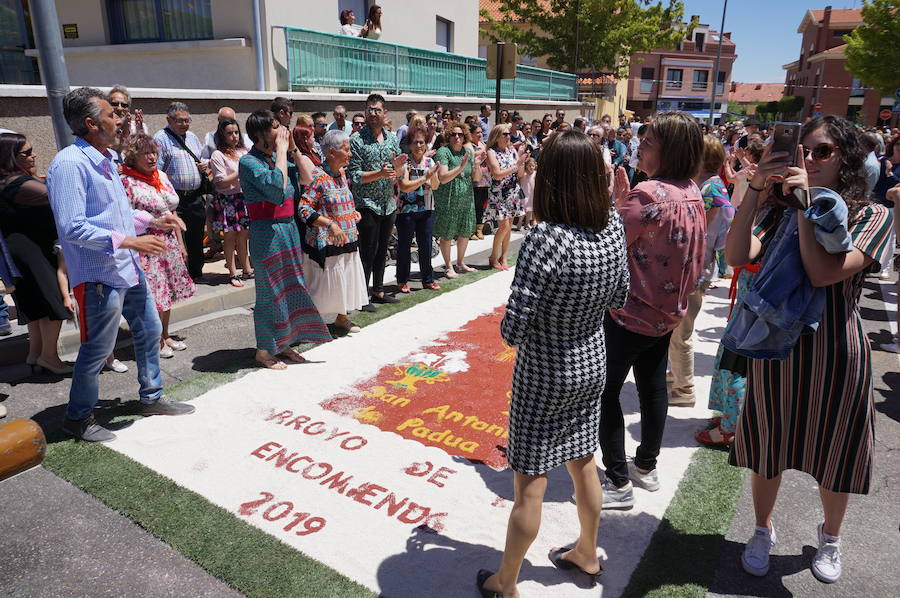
(375, 162)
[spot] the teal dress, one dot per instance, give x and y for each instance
(454, 202)
(285, 314)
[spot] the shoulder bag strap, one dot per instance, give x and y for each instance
(182, 144)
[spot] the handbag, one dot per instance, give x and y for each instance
(206, 186)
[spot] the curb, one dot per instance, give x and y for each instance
(14, 349)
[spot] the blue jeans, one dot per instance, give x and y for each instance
(103, 308)
(4, 311)
(421, 225)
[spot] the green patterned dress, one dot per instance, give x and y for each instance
(454, 202)
(284, 314)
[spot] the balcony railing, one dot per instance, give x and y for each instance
(673, 84)
(699, 86)
(325, 60)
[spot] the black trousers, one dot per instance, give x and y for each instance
(192, 209)
(374, 236)
(481, 197)
(648, 356)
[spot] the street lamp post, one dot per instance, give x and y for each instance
(53, 65)
(712, 97)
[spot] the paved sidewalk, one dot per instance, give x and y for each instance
(870, 542)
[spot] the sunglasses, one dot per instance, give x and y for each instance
(505, 133)
(594, 135)
(28, 152)
(358, 123)
(455, 135)
(820, 153)
(120, 104)
(371, 110)
(417, 142)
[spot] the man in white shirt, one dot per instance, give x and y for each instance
(209, 144)
(340, 122)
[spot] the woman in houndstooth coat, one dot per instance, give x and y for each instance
(571, 269)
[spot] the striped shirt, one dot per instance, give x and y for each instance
(93, 216)
(177, 163)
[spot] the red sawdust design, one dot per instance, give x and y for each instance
(425, 397)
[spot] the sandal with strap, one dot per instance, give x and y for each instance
(483, 575)
(248, 275)
(432, 286)
(236, 281)
(404, 288)
(556, 557)
(271, 364)
(704, 437)
(293, 356)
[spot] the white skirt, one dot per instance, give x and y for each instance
(339, 288)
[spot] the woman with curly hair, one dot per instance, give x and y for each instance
(802, 412)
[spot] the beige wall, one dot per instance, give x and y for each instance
(89, 15)
(29, 114)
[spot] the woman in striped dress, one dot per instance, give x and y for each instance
(284, 315)
(802, 412)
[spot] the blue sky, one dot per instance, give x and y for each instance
(765, 32)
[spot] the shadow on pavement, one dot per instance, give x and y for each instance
(890, 406)
(731, 579)
(225, 361)
(50, 419)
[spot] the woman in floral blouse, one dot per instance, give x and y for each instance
(334, 271)
(149, 189)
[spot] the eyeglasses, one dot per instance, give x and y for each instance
(181, 121)
(358, 123)
(320, 124)
(119, 104)
(594, 135)
(417, 142)
(372, 110)
(455, 134)
(505, 133)
(820, 153)
(27, 152)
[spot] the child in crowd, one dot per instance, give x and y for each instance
(528, 192)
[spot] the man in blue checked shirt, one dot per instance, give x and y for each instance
(98, 232)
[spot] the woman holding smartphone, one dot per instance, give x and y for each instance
(372, 28)
(802, 412)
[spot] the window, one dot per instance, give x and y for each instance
(444, 35)
(673, 78)
(647, 75)
(135, 21)
(720, 82)
(699, 40)
(701, 80)
(856, 88)
(841, 32)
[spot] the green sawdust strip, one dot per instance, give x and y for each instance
(246, 558)
(680, 561)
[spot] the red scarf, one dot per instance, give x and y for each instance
(153, 180)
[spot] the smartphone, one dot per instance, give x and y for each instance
(785, 138)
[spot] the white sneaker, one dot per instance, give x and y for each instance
(116, 366)
(826, 565)
(648, 481)
(755, 558)
(617, 498)
(176, 345)
(166, 352)
(2, 411)
(884, 275)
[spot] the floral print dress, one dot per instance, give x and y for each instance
(167, 274)
(505, 195)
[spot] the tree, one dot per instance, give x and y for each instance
(790, 105)
(576, 33)
(873, 48)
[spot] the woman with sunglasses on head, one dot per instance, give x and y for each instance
(454, 201)
(26, 222)
(507, 167)
(802, 412)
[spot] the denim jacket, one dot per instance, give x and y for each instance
(782, 304)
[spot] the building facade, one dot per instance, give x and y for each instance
(681, 78)
(820, 75)
(209, 44)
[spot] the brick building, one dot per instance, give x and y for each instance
(680, 79)
(820, 75)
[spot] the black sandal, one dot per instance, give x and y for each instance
(556, 557)
(483, 575)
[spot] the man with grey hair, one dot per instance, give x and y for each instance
(340, 122)
(179, 158)
(100, 236)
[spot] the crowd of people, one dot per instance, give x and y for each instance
(629, 225)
